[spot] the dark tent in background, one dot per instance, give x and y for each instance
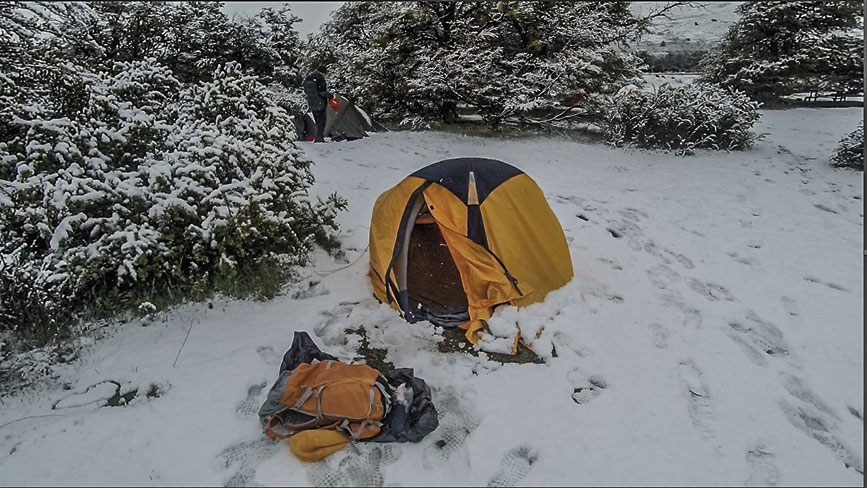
(348, 123)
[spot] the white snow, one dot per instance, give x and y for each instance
(698, 26)
(712, 335)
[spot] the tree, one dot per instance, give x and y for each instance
(417, 62)
(191, 38)
(281, 37)
(782, 47)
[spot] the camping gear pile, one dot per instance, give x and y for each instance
(459, 237)
(322, 405)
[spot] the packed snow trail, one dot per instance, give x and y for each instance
(712, 335)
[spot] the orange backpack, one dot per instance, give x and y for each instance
(346, 398)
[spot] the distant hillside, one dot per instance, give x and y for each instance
(696, 28)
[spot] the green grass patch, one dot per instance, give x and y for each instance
(262, 281)
(372, 356)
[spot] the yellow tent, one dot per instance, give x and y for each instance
(459, 237)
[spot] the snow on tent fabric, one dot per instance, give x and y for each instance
(459, 237)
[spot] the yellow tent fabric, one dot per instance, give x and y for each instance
(386, 213)
(500, 232)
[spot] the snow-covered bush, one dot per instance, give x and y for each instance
(850, 152)
(65, 181)
(230, 188)
(683, 118)
(151, 186)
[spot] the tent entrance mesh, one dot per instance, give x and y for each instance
(433, 281)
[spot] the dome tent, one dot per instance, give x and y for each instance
(349, 122)
(461, 236)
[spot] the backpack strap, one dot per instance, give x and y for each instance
(385, 395)
(304, 398)
(269, 431)
(346, 429)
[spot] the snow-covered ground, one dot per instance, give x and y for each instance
(699, 26)
(714, 328)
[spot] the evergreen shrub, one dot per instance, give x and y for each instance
(850, 152)
(682, 118)
(152, 186)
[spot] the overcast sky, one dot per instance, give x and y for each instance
(312, 14)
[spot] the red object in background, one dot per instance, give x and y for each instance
(309, 138)
(334, 103)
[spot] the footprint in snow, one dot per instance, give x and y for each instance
(810, 420)
(752, 263)
(692, 317)
(668, 256)
(585, 389)
(711, 291)
(334, 318)
(247, 455)
(833, 286)
(314, 289)
(699, 404)
(624, 228)
(611, 264)
(561, 339)
(796, 387)
(654, 250)
(633, 213)
(753, 354)
(268, 355)
(755, 333)
(250, 405)
(349, 468)
(662, 276)
(601, 292)
(515, 466)
(683, 260)
(660, 335)
(762, 470)
(456, 423)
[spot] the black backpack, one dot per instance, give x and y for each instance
(310, 89)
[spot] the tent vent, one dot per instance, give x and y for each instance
(472, 193)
